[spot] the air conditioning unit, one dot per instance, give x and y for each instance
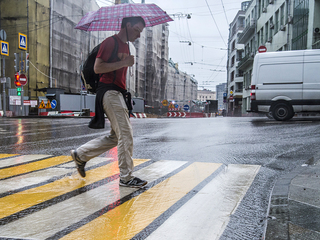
(269, 40)
(271, 26)
(290, 19)
(282, 28)
(264, 9)
(271, 1)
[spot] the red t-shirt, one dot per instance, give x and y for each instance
(105, 52)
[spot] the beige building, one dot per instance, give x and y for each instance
(204, 95)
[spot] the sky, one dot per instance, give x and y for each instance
(208, 32)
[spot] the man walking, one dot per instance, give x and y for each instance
(110, 100)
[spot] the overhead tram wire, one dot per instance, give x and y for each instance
(215, 23)
(225, 14)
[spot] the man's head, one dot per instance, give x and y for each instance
(134, 26)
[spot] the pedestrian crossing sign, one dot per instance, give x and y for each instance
(4, 48)
(22, 41)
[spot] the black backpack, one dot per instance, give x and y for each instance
(89, 78)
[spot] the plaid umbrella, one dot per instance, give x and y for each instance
(109, 18)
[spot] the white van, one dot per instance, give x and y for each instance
(285, 83)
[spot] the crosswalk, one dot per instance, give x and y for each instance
(43, 197)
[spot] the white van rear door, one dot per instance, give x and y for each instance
(311, 85)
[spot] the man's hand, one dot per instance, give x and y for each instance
(129, 60)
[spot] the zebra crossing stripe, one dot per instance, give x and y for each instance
(7, 155)
(136, 214)
(183, 200)
(38, 178)
(32, 166)
(15, 203)
(21, 159)
(206, 215)
(45, 224)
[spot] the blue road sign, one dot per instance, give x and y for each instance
(186, 107)
(4, 48)
(53, 104)
(22, 41)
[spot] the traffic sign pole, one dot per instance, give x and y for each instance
(4, 88)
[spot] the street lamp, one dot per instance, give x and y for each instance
(181, 15)
(189, 43)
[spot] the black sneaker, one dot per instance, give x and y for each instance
(133, 183)
(79, 164)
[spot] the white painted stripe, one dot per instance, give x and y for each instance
(206, 215)
(21, 159)
(32, 178)
(45, 223)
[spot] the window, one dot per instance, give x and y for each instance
(271, 27)
(266, 31)
(282, 16)
(276, 26)
(300, 26)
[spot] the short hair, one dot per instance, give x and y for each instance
(133, 21)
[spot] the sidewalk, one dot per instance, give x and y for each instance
(294, 209)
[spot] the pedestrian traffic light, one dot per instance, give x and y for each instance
(16, 62)
(18, 91)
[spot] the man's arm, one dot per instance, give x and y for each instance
(101, 66)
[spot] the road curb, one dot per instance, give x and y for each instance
(280, 210)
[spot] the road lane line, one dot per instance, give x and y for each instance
(33, 166)
(128, 219)
(35, 179)
(43, 224)
(21, 159)
(23, 200)
(207, 214)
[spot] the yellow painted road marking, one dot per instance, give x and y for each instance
(7, 155)
(17, 202)
(33, 166)
(128, 219)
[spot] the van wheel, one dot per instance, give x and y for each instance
(282, 111)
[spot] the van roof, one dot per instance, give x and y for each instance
(288, 53)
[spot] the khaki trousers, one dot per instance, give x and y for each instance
(120, 135)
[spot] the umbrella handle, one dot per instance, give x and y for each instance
(128, 40)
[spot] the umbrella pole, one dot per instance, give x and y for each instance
(128, 40)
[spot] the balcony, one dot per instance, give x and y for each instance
(247, 33)
(246, 61)
(316, 45)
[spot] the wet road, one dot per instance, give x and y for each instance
(236, 159)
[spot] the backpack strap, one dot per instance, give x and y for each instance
(114, 55)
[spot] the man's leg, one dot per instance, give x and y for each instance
(117, 113)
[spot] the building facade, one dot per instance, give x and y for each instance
(235, 54)
(57, 50)
(221, 96)
(276, 25)
(204, 95)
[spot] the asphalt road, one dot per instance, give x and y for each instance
(278, 147)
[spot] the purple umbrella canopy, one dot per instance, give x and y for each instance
(109, 18)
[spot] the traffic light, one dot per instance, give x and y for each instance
(18, 91)
(17, 83)
(16, 62)
(27, 62)
(17, 80)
